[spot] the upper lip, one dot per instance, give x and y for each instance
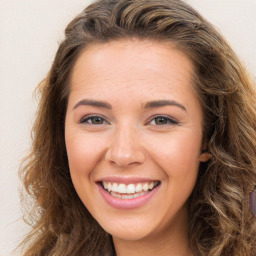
(126, 180)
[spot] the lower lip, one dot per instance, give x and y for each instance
(127, 203)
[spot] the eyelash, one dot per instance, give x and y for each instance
(167, 119)
(87, 118)
(170, 121)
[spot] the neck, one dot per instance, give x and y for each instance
(159, 248)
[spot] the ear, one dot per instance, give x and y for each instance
(205, 156)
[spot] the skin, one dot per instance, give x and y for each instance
(128, 141)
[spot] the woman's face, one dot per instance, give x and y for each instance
(134, 126)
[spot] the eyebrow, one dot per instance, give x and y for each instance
(94, 103)
(150, 104)
(163, 103)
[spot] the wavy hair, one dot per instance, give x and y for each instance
(220, 222)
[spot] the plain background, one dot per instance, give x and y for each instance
(30, 31)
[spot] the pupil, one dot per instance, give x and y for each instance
(161, 120)
(97, 120)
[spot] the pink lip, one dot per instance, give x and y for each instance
(125, 180)
(127, 203)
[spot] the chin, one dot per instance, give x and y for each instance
(132, 230)
(129, 235)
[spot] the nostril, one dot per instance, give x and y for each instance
(125, 149)
(125, 158)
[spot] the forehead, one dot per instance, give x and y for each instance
(133, 65)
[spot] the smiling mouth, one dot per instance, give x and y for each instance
(129, 191)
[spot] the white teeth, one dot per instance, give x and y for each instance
(145, 187)
(139, 187)
(130, 188)
(109, 186)
(114, 187)
(137, 195)
(121, 189)
(127, 196)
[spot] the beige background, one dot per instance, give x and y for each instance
(29, 34)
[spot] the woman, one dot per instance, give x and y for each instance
(145, 137)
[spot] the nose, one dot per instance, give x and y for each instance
(125, 149)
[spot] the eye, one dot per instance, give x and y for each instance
(93, 120)
(163, 120)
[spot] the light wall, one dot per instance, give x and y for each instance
(29, 34)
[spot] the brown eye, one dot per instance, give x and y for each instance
(161, 121)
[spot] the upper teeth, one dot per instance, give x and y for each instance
(130, 188)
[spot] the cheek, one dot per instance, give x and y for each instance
(84, 152)
(178, 149)
(178, 157)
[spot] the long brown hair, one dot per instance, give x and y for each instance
(220, 222)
